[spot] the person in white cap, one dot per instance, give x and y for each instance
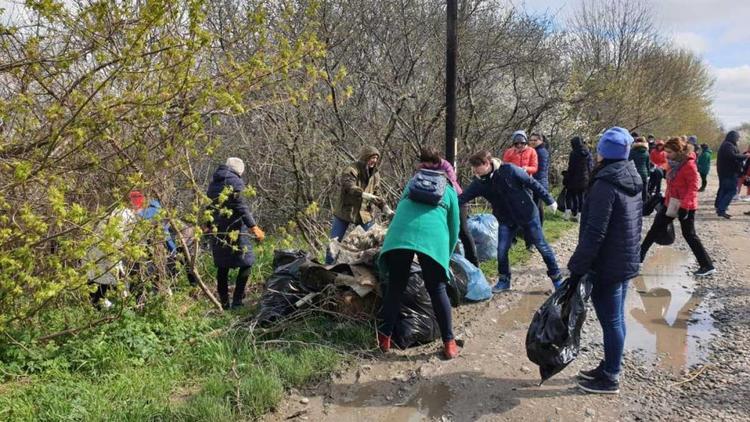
(231, 226)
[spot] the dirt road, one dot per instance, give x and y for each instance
(686, 352)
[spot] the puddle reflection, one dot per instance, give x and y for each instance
(665, 318)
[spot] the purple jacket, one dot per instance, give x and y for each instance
(446, 168)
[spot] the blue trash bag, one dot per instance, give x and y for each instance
(477, 288)
(483, 229)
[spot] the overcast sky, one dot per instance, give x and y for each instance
(717, 30)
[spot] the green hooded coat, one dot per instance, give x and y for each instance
(354, 180)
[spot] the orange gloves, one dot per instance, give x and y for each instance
(259, 235)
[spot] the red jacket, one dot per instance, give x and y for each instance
(685, 185)
(659, 158)
(525, 159)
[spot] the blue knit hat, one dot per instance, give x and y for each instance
(615, 144)
(692, 139)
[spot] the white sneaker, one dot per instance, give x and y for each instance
(745, 198)
(736, 198)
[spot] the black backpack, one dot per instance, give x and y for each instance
(428, 187)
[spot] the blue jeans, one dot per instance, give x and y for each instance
(727, 190)
(338, 230)
(609, 304)
(533, 232)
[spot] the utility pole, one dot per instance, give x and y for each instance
(450, 83)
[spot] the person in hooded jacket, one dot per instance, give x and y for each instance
(360, 186)
(729, 162)
(681, 201)
(508, 190)
(231, 227)
(639, 157)
(521, 154)
(704, 165)
(429, 158)
(580, 164)
(608, 251)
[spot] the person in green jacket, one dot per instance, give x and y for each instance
(430, 232)
(639, 157)
(704, 165)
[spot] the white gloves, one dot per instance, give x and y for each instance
(553, 207)
(369, 197)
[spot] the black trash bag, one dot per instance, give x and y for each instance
(652, 203)
(552, 341)
(416, 324)
(284, 287)
(666, 236)
(283, 257)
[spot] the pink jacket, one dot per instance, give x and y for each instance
(446, 168)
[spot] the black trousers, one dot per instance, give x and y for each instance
(574, 201)
(399, 270)
(222, 280)
(470, 248)
(687, 225)
(704, 182)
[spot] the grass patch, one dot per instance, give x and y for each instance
(175, 359)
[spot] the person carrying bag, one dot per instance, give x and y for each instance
(681, 202)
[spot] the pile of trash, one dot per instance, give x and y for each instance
(351, 286)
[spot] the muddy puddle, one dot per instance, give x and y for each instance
(666, 321)
(423, 401)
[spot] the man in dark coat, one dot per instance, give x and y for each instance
(580, 164)
(231, 227)
(608, 251)
(729, 162)
(508, 189)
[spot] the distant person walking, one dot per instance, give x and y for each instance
(729, 163)
(704, 165)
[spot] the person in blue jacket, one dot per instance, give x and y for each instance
(609, 250)
(539, 143)
(508, 189)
